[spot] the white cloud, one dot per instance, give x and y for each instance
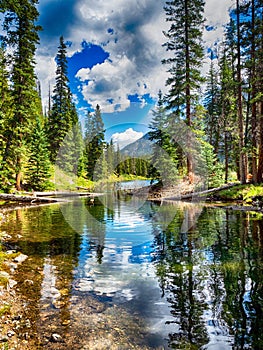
(132, 32)
(126, 137)
(45, 71)
(111, 82)
(217, 15)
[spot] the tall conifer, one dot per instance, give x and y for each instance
(63, 114)
(184, 40)
(94, 140)
(38, 167)
(22, 36)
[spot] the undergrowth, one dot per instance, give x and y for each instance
(247, 193)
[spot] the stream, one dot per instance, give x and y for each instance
(119, 272)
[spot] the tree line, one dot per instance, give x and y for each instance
(228, 114)
(33, 142)
(224, 110)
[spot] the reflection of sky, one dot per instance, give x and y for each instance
(48, 287)
(126, 274)
(126, 256)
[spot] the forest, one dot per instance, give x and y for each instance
(223, 109)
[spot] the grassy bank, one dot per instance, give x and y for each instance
(70, 182)
(248, 194)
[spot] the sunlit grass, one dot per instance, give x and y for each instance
(5, 310)
(70, 182)
(246, 193)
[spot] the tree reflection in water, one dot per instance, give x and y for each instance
(207, 263)
(212, 277)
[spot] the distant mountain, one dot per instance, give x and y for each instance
(139, 148)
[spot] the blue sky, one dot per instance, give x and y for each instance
(114, 55)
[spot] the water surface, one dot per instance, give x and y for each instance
(122, 273)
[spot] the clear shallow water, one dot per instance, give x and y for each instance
(124, 271)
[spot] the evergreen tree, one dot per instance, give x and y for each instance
(242, 153)
(185, 42)
(5, 97)
(258, 82)
(22, 37)
(38, 167)
(69, 156)
(164, 150)
(119, 163)
(63, 114)
(101, 168)
(94, 140)
(6, 111)
(110, 157)
(212, 105)
(228, 113)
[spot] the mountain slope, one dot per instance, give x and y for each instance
(139, 148)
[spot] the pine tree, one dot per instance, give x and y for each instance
(5, 99)
(94, 140)
(22, 36)
(119, 162)
(63, 114)
(6, 112)
(212, 105)
(38, 165)
(228, 112)
(164, 150)
(242, 153)
(259, 82)
(185, 42)
(69, 156)
(110, 157)
(5, 96)
(101, 168)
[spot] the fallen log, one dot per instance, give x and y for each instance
(198, 195)
(66, 194)
(82, 188)
(26, 199)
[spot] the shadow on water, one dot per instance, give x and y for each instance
(121, 273)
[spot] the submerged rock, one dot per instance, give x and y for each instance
(12, 283)
(20, 258)
(56, 338)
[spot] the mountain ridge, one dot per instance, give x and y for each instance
(139, 148)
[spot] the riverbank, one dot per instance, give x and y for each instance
(230, 196)
(69, 316)
(14, 325)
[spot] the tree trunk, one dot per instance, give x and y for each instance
(242, 154)
(260, 158)
(226, 157)
(253, 95)
(190, 172)
(260, 83)
(18, 174)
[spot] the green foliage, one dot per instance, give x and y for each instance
(38, 165)
(22, 36)
(212, 103)
(69, 157)
(164, 158)
(215, 170)
(101, 169)
(247, 193)
(5, 310)
(184, 40)
(94, 141)
(62, 116)
(64, 181)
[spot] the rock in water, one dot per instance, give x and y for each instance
(56, 338)
(20, 258)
